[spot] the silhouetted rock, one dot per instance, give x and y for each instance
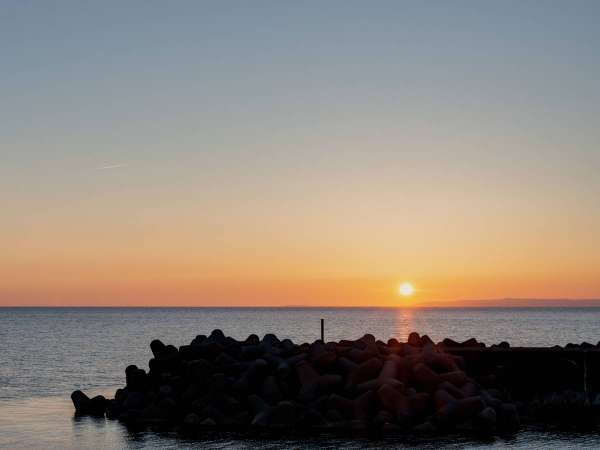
(157, 347)
(447, 342)
(426, 340)
(84, 405)
(414, 339)
(471, 343)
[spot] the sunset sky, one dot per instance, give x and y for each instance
(307, 153)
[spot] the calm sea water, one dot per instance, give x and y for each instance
(46, 353)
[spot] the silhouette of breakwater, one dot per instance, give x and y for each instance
(417, 386)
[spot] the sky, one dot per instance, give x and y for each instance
(298, 153)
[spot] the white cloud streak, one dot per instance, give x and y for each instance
(111, 166)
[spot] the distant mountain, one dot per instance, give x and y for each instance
(516, 303)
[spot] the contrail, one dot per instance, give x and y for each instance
(111, 166)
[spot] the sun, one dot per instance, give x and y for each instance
(405, 289)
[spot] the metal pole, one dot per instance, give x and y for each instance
(323, 330)
(585, 374)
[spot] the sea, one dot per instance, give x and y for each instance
(46, 353)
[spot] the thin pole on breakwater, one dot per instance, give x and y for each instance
(323, 330)
(585, 374)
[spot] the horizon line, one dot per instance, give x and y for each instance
(588, 303)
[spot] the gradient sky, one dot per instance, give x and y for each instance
(287, 153)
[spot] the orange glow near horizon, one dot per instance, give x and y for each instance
(169, 262)
(300, 254)
(186, 290)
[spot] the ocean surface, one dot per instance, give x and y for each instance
(46, 353)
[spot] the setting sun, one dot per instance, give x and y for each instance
(406, 289)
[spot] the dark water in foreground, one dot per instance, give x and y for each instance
(48, 352)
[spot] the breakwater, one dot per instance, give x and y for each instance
(416, 386)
